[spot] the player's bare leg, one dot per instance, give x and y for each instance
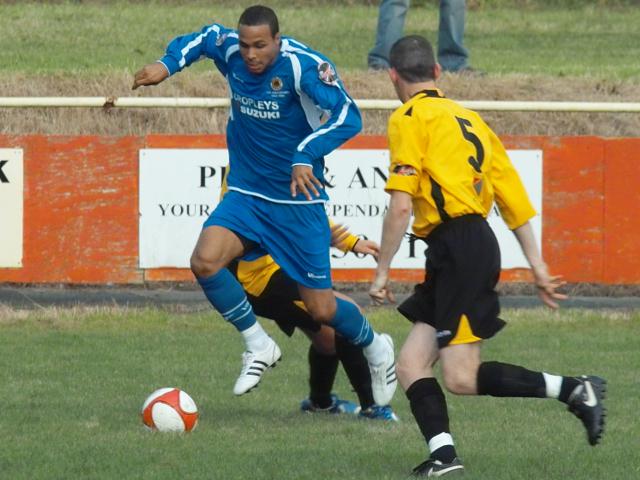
(347, 319)
(216, 248)
(460, 365)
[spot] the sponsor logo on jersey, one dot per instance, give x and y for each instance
(404, 170)
(313, 275)
(327, 74)
(262, 109)
(276, 84)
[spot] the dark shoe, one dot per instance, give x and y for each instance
(585, 402)
(435, 468)
(337, 406)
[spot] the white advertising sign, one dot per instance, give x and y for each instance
(11, 207)
(179, 188)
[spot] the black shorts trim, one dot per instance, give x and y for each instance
(463, 268)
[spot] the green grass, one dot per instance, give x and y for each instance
(72, 385)
(94, 38)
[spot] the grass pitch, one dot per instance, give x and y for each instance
(72, 383)
(78, 38)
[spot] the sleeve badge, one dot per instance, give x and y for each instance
(327, 74)
(220, 39)
(404, 170)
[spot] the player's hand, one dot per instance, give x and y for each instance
(302, 180)
(339, 233)
(547, 286)
(380, 291)
(151, 74)
(367, 247)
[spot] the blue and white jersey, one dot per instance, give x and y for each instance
(295, 112)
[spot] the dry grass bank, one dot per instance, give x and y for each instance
(360, 84)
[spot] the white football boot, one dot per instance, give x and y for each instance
(382, 366)
(254, 365)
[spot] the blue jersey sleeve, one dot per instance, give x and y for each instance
(321, 84)
(213, 41)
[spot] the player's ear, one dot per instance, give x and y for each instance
(437, 71)
(276, 37)
(393, 75)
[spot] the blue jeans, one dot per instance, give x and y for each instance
(452, 55)
(391, 18)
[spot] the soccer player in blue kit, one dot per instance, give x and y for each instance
(288, 110)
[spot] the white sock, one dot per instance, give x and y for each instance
(256, 338)
(553, 384)
(441, 440)
(376, 350)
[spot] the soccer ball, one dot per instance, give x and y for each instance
(170, 410)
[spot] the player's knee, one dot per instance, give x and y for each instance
(460, 381)
(203, 267)
(322, 312)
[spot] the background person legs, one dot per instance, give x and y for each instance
(452, 55)
(391, 18)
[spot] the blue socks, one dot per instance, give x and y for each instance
(351, 324)
(226, 295)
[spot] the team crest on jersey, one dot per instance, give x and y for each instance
(276, 84)
(404, 170)
(327, 74)
(220, 40)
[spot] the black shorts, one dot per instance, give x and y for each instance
(276, 303)
(463, 267)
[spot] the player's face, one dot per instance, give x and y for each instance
(258, 47)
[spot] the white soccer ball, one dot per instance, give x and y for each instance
(169, 410)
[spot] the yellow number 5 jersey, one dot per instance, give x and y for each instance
(452, 164)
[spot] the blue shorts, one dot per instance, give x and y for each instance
(297, 236)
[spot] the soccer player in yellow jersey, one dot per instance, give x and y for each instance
(274, 295)
(448, 167)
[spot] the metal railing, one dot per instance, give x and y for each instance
(368, 104)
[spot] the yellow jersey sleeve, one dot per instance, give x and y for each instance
(509, 192)
(407, 146)
(348, 243)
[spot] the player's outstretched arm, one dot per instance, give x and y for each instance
(395, 225)
(547, 285)
(367, 247)
(347, 242)
(151, 74)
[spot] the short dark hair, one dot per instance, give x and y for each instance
(412, 57)
(260, 15)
